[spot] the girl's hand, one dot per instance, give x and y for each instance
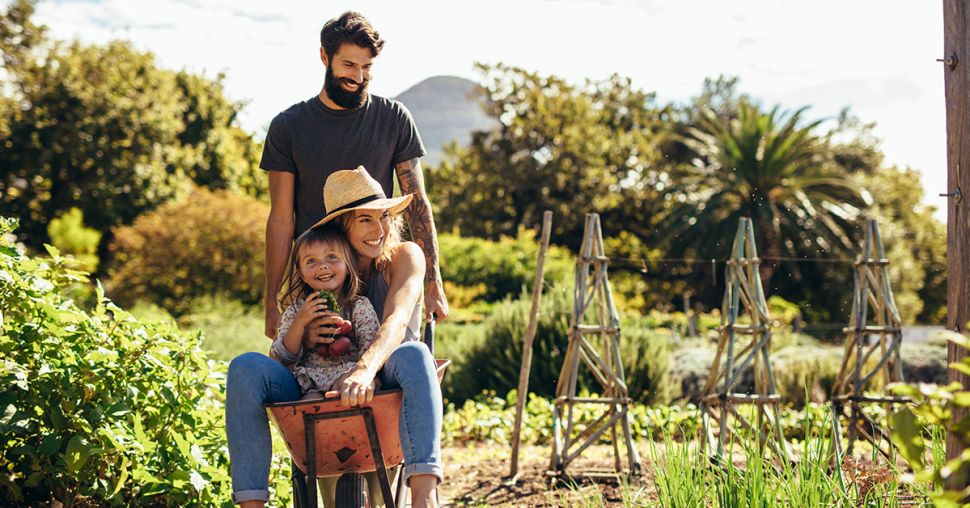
(313, 308)
(322, 329)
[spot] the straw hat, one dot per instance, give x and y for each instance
(354, 189)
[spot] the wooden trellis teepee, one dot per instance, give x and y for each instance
(743, 297)
(594, 342)
(872, 345)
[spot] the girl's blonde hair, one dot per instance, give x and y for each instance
(293, 284)
(392, 240)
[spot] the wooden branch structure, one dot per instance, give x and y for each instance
(743, 298)
(596, 346)
(872, 344)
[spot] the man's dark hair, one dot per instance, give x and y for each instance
(350, 27)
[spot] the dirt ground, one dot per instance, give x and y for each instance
(478, 476)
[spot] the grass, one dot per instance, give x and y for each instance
(229, 327)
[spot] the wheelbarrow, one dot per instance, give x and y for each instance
(327, 439)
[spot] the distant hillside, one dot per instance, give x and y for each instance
(445, 108)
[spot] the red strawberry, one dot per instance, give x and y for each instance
(323, 350)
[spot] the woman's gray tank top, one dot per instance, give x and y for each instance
(376, 292)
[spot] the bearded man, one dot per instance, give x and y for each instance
(343, 127)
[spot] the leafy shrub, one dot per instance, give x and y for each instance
(783, 312)
(935, 407)
(212, 242)
(802, 371)
(924, 362)
(493, 363)
(690, 366)
(506, 266)
(71, 237)
(98, 408)
(646, 364)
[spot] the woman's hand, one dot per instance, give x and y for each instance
(356, 387)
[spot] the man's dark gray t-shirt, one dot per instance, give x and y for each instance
(312, 141)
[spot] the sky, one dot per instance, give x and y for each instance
(876, 57)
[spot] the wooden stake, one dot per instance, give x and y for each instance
(530, 334)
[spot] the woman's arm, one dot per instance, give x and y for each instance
(406, 278)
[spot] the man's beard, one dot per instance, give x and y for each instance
(341, 97)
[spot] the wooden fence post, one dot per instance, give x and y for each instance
(956, 57)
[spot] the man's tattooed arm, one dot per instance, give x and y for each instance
(421, 226)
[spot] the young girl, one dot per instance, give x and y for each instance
(321, 260)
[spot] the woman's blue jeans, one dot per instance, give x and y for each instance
(255, 379)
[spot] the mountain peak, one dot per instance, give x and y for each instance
(445, 108)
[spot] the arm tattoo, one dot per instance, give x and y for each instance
(418, 214)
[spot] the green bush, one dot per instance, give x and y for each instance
(802, 371)
(71, 237)
(493, 363)
(212, 242)
(99, 409)
(229, 327)
(506, 266)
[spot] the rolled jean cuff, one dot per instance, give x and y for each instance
(413, 469)
(250, 495)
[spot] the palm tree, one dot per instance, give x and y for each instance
(769, 167)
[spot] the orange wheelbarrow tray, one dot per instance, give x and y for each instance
(327, 439)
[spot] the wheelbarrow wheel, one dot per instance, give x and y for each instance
(352, 491)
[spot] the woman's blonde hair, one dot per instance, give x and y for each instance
(294, 286)
(392, 239)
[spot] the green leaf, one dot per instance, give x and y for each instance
(906, 433)
(183, 445)
(961, 367)
(78, 452)
(50, 445)
(959, 339)
(34, 479)
(198, 481)
(962, 399)
(122, 478)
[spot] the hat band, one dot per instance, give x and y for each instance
(368, 199)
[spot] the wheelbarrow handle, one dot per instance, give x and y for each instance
(429, 334)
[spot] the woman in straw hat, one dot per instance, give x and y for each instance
(392, 272)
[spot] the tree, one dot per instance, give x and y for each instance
(103, 129)
(771, 167)
(212, 244)
(570, 149)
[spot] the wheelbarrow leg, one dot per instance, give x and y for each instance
(299, 486)
(375, 446)
(401, 487)
(311, 463)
